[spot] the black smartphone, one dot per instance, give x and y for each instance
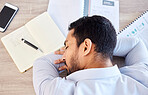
(6, 16)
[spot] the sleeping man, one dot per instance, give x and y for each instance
(89, 49)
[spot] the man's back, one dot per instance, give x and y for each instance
(99, 84)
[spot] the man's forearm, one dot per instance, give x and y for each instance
(44, 69)
(132, 49)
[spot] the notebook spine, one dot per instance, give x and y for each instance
(86, 8)
(133, 22)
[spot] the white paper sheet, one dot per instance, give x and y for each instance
(63, 12)
(108, 9)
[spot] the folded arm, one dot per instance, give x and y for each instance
(45, 72)
(136, 58)
(132, 49)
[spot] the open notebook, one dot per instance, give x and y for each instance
(41, 32)
(63, 12)
(138, 28)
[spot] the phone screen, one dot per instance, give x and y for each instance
(5, 16)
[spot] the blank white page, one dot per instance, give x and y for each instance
(63, 12)
(46, 33)
(22, 54)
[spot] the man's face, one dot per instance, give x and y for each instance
(71, 54)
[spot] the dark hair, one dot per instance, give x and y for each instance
(99, 30)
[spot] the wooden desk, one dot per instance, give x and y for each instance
(14, 83)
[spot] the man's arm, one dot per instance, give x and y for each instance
(44, 71)
(136, 58)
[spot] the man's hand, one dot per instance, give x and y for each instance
(61, 51)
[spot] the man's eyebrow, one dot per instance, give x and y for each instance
(65, 42)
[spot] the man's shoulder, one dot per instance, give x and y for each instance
(137, 72)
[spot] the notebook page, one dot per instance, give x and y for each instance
(138, 29)
(46, 33)
(108, 9)
(22, 54)
(63, 12)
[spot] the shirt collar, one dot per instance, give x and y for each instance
(94, 73)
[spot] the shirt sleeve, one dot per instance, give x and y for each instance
(132, 49)
(46, 72)
(136, 58)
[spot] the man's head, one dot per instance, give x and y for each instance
(91, 39)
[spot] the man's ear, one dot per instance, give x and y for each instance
(87, 45)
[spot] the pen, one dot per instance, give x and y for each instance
(31, 45)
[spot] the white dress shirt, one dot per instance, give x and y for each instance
(131, 79)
